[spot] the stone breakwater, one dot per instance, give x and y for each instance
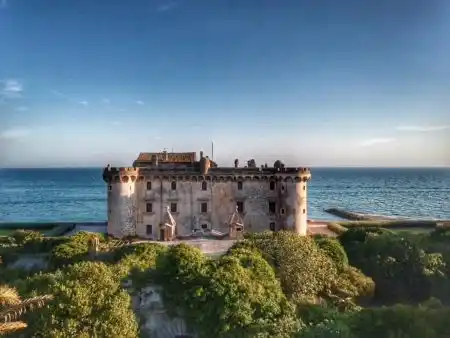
(357, 216)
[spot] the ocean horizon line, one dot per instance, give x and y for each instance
(312, 167)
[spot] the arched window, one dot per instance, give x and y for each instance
(204, 185)
(174, 185)
(239, 185)
(272, 185)
(149, 185)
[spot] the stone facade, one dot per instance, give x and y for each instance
(201, 197)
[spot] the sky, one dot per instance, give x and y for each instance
(312, 83)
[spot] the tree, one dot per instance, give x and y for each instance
(334, 250)
(12, 307)
(401, 321)
(400, 268)
(235, 296)
(89, 303)
(243, 288)
(304, 270)
(21, 237)
(137, 259)
(76, 249)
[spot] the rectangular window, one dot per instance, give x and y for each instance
(204, 185)
(204, 207)
(282, 211)
(110, 187)
(149, 229)
(173, 207)
(272, 185)
(304, 211)
(272, 207)
(272, 226)
(149, 207)
(204, 226)
(240, 206)
(149, 185)
(239, 185)
(174, 185)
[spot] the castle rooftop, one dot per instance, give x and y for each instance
(178, 164)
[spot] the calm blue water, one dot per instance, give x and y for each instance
(79, 195)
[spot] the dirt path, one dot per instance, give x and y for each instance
(320, 228)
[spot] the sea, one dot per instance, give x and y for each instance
(79, 194)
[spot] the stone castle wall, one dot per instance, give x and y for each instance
(220, 189)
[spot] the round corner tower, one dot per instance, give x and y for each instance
(122, 200)
(301, 201)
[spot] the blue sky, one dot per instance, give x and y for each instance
(316, 83)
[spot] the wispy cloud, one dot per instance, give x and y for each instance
(11, 88)
(375, 141)
(69, 98)
(139, 102)
(59, 94)
(14, 133)
(423, 129)
(167, 6)
(21, 108)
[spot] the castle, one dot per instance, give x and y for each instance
(167, 196)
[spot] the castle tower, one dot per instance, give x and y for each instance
(122, 201)
(301, 201)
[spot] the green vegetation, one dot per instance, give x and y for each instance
(412, 226)
(367, 282)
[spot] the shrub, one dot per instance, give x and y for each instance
(303, 269)
(334, 250)
(44, 244)
(237, 295)
(391, 224)
(74, 250)
(441, 234)
(21, 237)
(401, 321)
(137, 258)
(400, 268)
(336, 228)
(89, 302)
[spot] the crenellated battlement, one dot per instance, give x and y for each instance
(120, 174)
(125, 177)
(202, 170)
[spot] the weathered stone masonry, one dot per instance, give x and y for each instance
(202, 197)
